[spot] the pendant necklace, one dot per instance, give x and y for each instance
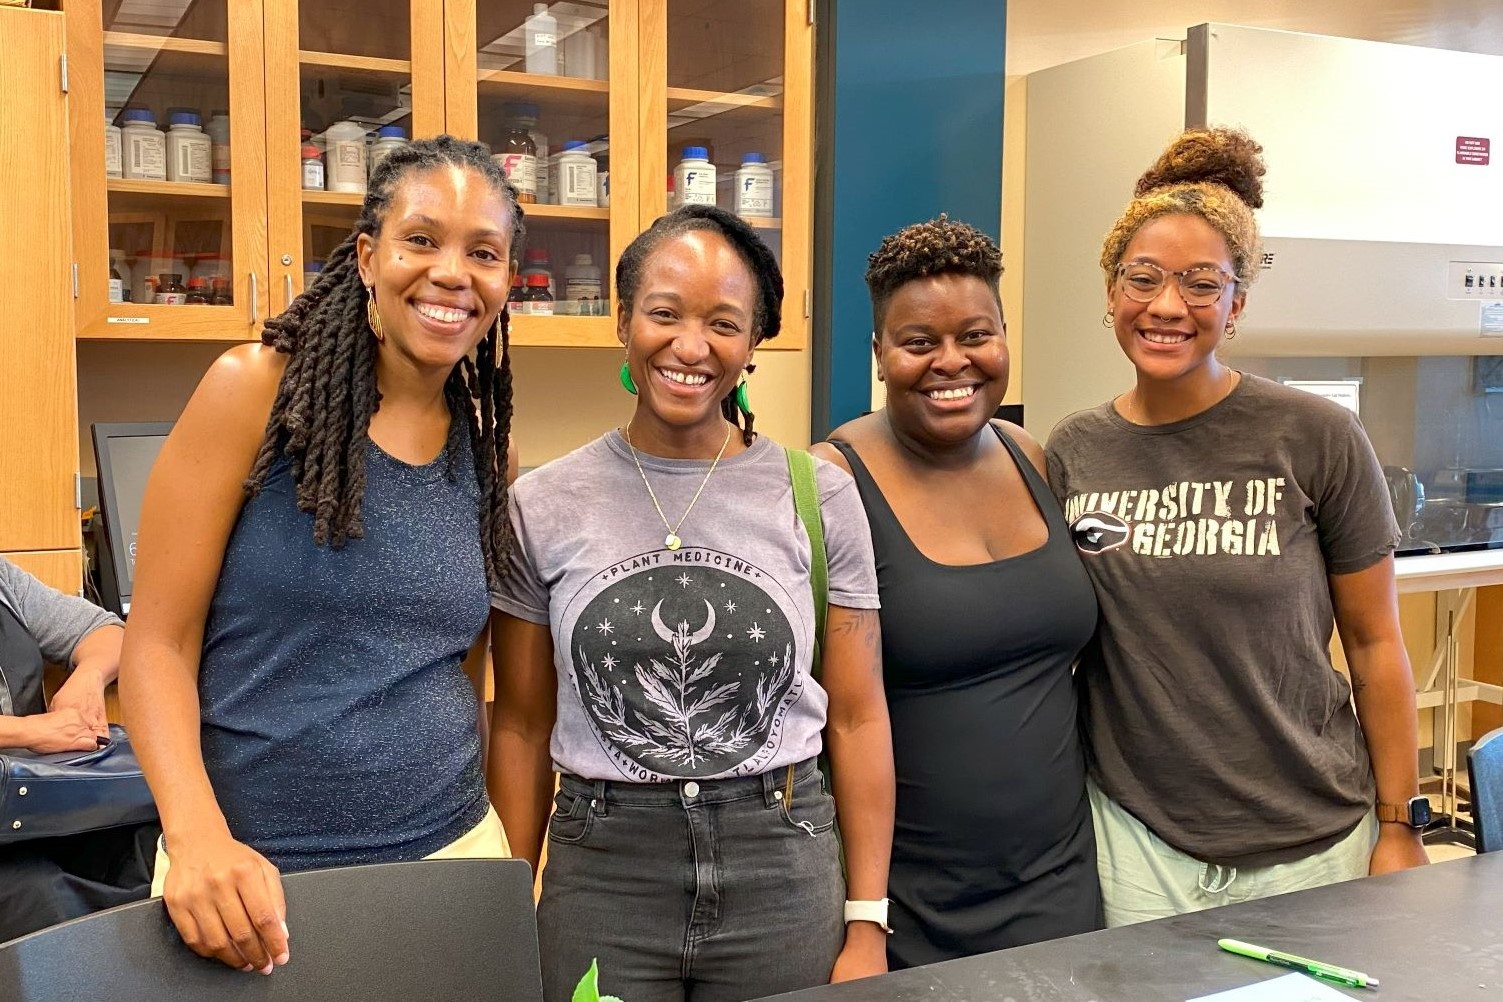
(672, 540)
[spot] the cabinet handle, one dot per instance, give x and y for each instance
(255, 312)
(287, 287)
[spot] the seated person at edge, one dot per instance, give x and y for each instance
(656, 646)
(1228, 522)
(984, 608)
(319, 539)
(51, 880)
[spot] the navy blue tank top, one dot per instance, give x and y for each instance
(338, 723)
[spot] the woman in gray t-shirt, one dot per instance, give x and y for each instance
(657, 647)
(1228, 522)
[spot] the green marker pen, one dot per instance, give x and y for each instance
(1328, 972)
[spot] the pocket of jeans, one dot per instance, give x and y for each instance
(812, 813)
(572, 819)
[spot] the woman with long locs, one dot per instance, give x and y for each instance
(657, 643)
(320, 535)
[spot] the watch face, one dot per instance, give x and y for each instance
(1419, 812)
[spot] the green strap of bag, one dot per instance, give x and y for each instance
(806, 503)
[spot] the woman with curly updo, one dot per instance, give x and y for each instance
(320, 536)
(984, 607)
(1228, 522)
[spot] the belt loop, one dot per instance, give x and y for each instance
(598, 798)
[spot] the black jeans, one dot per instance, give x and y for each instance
(708, 891)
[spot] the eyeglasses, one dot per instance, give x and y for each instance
(1143, 282)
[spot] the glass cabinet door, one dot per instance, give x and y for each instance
(540, 94)
(181, 102)
(737, 131)
(347, 81)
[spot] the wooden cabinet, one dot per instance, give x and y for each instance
(38, 406)
(647, 77)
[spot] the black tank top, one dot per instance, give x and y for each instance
(992, 845)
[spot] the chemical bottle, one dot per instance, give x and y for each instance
(313, 168)
(524, 114)
(389, 138)
(311, 271)
(144, 146)
(538, 299)
(582, 286)
(754, 187)
(170, 291)
(576, 175)
(537, 262)
(344, 158)
(190, 153)
(219, 134)
(519, 162)
(112, 166)
(120, 271)
(198, 292)
(694, 177)
(602, 181)
(516, 300)
(581, 54)
(219, 291)
(117, 282)
(540, 41)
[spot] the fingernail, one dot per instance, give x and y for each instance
(282, 958)
(247, 967)
(284, 930)
(266, 969)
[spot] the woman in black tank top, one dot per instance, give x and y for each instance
(984, 608)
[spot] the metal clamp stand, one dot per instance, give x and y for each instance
(1447, 828)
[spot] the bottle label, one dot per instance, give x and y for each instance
(540, 307)
(753, 194)
(112, 154)
(544, 40)
(521, 170)
(117, 290)
(347, 165)
(582, 288)
(313, 175)
(516, 307)
(578, 183)
(171, 298)
(697, 187)
(147, 158)
(221, 164)
(603, 189)
(192, 163)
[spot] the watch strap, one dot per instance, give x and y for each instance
(1402, 814)
(868, 911)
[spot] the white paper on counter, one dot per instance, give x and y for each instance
(1289, 988)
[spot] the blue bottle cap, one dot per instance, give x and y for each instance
(696, 153)
(139, 115)
(754, 158)
(313, 266)
(574, 144)
(391, 132)
(184, 118)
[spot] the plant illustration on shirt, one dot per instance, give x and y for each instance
(690, 698)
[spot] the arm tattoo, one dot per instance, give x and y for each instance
(862, 627)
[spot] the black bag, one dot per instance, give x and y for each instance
(69, 793)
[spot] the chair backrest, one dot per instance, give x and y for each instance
(1485, 764)
(433, 930)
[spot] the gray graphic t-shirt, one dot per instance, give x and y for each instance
(688, 663)
(1209, 704)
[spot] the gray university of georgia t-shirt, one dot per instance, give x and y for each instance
(691, 663)
(1209, 704)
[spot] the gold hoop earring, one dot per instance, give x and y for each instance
(1108, 320)
(373, 316)
(1231, 330)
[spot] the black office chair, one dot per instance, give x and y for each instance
(1484, 762)
(435, 930)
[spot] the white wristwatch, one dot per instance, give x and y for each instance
(868, 911)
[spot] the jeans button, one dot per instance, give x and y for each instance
(691, 789)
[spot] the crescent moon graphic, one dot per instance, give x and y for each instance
(668, 635)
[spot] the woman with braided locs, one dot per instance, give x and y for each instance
(319, 539)
(992, 843)
(657, 644)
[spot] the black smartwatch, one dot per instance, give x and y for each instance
(1415, 813)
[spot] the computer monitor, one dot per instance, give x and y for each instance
(124, 454)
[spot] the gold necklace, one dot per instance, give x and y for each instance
(672, 540)
(1129, 399)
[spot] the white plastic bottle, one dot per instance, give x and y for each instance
(345, 157)
(144, 146)
(694, 178)
(581, 53)
(582, 286)
(540, 40)
(219, 135)
(754, 187)
(389, 139)
(112, 167)
(576, 175)
(602, 184)
(190, 153)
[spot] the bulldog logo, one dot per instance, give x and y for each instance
(1097, 532)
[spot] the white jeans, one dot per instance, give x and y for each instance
(1143, 877)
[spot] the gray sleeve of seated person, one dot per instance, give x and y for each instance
(56, 621)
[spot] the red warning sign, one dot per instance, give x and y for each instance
(1473, 150)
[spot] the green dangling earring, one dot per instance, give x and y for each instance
(626, 381)
(742, 403)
